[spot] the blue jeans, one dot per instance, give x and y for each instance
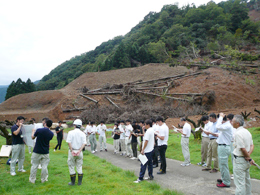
(149, 156)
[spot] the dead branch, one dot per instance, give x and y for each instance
(89, 98)
(245, 115)
(258, 111)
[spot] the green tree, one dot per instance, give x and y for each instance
(158, 50)
(120, 58)
(19, 87)
(239, 13)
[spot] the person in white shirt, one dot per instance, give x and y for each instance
(87, 135)
(92, 137)
(162, 134)
(224, 141)
(156, 148)
(185, 131)
(102, 128)
(204, 141)
(147, 150)
(230, 118)
(128, 131)
(242, 161)
(213, 145)
(122, 137)
(76, 140)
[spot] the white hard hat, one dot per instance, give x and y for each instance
(77, 122)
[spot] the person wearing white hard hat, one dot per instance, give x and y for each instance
(77, 141)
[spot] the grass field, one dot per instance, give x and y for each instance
(100, 177)
(174, 150)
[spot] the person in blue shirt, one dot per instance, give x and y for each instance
(41, 152)
(18, 146)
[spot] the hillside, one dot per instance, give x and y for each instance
(170, 36)
(234, 92)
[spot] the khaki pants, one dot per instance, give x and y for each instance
(231, 150)
(18, 152)
(223, 154)
(185, 149)
(37, 159)
(242, 176)
(87, 139)
(116, 145)
(75, 161)
(204, 149)
(212, 154)
(102, 139)
(128, 146)
(122, 143)
(93, 142)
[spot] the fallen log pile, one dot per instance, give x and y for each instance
(129, 91)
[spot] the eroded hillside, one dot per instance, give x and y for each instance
(234, 92)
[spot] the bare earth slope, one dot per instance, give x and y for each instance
(234, 92)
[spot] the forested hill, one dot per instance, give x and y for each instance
(164, 37)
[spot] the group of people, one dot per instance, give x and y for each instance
(40, 155)
(91, 131)
(76, 140)
(221, 136)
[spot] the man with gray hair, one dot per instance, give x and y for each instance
(242, 161)
(76, 140)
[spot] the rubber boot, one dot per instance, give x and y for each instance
(80, 176)
(72, 178)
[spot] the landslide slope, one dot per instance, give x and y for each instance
(234, 92)
(49, 103)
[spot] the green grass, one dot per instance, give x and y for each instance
(100, 177)
(174, 150)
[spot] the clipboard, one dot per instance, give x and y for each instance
(175, 129)
(197, 129)
(143, 158)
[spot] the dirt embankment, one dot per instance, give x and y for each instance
(234, 92)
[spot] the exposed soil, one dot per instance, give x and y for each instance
(254, 15)
(234, 92)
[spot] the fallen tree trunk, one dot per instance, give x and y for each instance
(4, 133)
(147, 88)
(172, 79)
(169, 97)
(191, 94)
(160, 79)
(111, 102)
(103, 93)
(74, 109)
(89, 98)
(93, 90)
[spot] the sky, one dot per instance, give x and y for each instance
(37, 36)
